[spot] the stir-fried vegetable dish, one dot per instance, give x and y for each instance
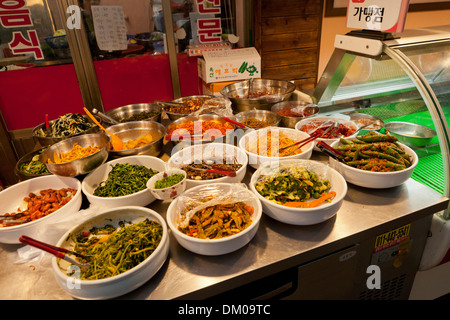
(34, 166)
(38, 205)
(66, 125)
(124, 179)
(140, 116)
(374, 152)
(168, 181)
(219, 221)
(294, 186)
(270, 143)
(77, 152)
(111, 251)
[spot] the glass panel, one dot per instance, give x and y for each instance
(32, 34)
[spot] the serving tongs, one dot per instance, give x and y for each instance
(104, 117)
(218, 170)
(330, 151)
(313, 136)
(56, 251)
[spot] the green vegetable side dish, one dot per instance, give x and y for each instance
(291, 184)
(34, 166)
(169, 181)
(124, 179)
(112, 251)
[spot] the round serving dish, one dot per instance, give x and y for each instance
(310, 124)
(134, 130)
(292, 112)
(223, 153)
(212, 247)
(136, 112)
(411, 134)
(47, 141)
(271, 118)
(122, 283)
(302, 216)
(79, 166)
(371, 179)
(168, 192)
(12, 198)
(251, 138)
(140, 198)
(258, 94)
(26, 159)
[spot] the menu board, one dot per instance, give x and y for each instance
(110, 27)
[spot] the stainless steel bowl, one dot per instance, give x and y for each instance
(308, 109)
(362, 119)
(174, 116)
(411, 134)
(48, 141)
(204, 117)
(79, 166)
(134, 130)
(264, 93)
(262, 115)
(22, 175)
(120, 114)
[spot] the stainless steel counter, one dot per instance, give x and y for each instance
(276, 247)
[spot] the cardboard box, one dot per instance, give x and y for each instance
(214, 88)
(230, 65)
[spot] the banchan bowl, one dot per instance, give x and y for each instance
(125, 282)
(11, 198)
(307, 125)
(375, 180)
(212, 247)
(140, 198)
(134, 130)
(251, 138)
(302, 216)
(47, 141)
(25, 160)
(219, 152)
(79, 166)
(271, 118)
(292, 112)
(196, 100)
(258, 94)
(168, 192)
(136, 112)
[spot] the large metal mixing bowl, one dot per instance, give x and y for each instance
(121, 114)
(79, 166)
(411, 134)
(47, 141)
(134, 130)
(258, 94)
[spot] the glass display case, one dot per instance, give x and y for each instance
(398, 78)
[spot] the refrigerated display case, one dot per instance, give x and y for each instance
(399, 78)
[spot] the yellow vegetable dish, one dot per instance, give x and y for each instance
(267, 145)
(140, 142)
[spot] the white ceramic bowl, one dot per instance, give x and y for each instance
(11, 198)
(375, 180)
(255, 160)
(125, 282)
(217, 151)
(169, 192)
(212, 247)
(324, 119)
(303, 216)
(141, 198)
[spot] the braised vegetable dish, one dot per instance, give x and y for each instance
(374, 152)
(219, 221)
(66, 125)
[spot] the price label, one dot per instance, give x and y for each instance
(392, 238)
(380, 15)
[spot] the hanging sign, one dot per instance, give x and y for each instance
(15, 14)
(379, 15)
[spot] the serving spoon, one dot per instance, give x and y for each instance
(117, 143)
